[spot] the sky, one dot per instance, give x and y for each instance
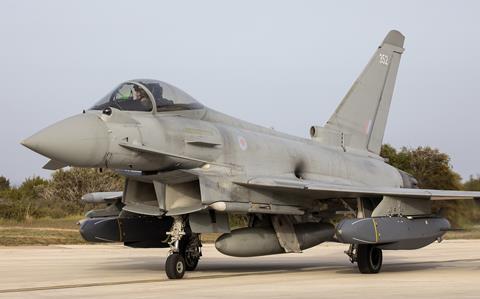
(281, 64)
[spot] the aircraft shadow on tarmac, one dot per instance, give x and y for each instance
(249, 266)
(418, 266)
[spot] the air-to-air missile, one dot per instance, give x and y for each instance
(187, 168)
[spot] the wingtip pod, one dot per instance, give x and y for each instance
(394, 37)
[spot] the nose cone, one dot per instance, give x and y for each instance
(81, 140)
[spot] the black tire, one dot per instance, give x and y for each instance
(175, 266)
(369, 259)
(191, 258)
(191, 263)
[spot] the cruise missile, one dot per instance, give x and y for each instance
(257, 241)
(142, 231)
(392, 232)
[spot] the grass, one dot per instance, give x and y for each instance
(471, 233)
(38, 236)
(51, 231)
(43, 231)
(209, 237)
(69, 222)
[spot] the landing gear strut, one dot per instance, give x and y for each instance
(368, 257)
(184, 252)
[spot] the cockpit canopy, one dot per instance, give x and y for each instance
(145, 95)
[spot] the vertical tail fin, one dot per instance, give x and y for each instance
(362, 114)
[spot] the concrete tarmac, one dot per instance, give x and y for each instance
(450, 269)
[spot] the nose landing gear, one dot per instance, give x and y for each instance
(175, 266)
(185, 250)
(191, 251)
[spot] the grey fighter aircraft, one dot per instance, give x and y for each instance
(188, 167)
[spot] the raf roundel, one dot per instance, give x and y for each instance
(243, 143)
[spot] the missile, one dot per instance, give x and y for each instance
(392, 232)
(100, 229)
(132, 231)
(102, 197)
(256, 241)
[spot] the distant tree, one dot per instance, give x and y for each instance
(72, 183)
(473, 184)
(432, 169)
(32, 187)
(429, 166)
(4, 183)
(20, 203)
(57, 197)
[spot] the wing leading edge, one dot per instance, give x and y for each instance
(323, 190)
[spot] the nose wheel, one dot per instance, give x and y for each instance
(175, 266)
(185, 250)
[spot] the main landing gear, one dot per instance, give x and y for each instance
(185, 250)
(368, 257)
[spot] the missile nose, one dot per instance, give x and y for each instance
(81, 140)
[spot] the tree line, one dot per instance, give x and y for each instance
(433, 170)
(60, 195)
(56, 197)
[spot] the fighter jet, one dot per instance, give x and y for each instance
(187, 168)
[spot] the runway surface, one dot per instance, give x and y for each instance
(450, 269)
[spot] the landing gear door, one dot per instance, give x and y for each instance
(141, 198)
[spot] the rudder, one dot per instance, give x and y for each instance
(362, 114)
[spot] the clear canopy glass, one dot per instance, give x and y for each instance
(133, 96)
